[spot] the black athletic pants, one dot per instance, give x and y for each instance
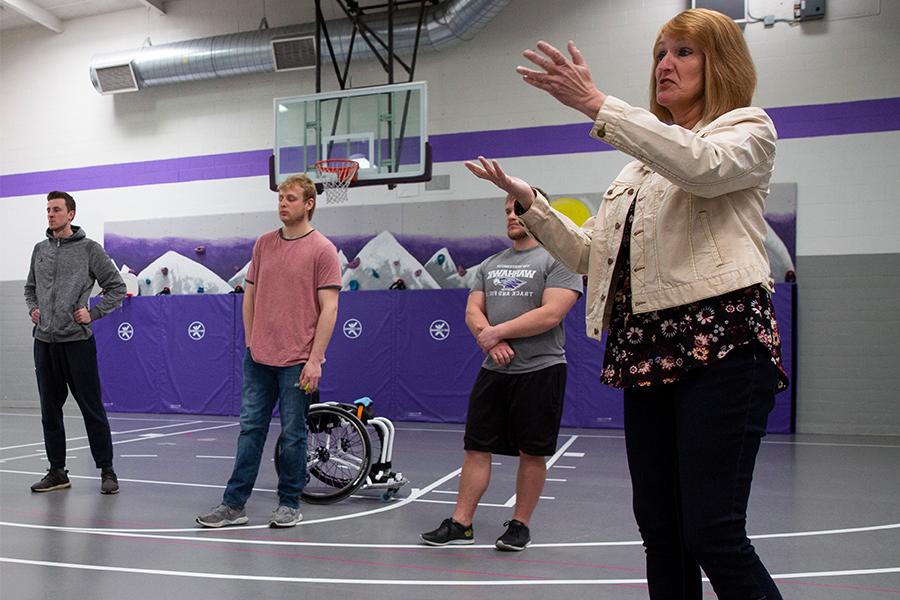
(691, 449)
(65, 366)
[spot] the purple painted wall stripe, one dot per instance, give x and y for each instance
(843, 118)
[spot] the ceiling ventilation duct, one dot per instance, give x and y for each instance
(284, 48)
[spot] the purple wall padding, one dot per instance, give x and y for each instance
(410, 351)
(161, 367)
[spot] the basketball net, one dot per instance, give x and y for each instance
(336, 175)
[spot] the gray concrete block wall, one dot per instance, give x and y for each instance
(848, 364)
(18, 388)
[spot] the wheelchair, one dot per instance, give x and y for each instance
(342, 456)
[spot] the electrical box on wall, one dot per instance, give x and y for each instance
(806, 10)
(736, 9)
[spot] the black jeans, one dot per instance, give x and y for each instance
(65, 366)
(691, 447)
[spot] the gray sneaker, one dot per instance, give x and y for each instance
(285, 516)
(222, 516)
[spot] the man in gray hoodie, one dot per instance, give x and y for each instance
(63, 270)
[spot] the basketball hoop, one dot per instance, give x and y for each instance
(336, 175)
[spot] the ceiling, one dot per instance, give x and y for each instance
(52, 14)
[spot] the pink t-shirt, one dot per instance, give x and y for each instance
(286, 275)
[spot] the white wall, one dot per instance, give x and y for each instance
(51, 117)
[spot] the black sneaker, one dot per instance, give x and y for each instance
(109, 483)
(516, 538)
(55, 479)
(450, 532)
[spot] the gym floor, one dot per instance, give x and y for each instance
(824, 517)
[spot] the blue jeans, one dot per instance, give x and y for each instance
(263, 386)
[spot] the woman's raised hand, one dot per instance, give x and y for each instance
(491, 171)
(569, 81)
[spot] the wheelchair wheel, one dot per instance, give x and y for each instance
(338, 454)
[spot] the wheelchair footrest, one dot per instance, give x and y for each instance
(385, 479)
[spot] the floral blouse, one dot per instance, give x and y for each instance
(661, 346)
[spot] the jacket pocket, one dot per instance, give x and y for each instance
(619, 190)
(711, 242)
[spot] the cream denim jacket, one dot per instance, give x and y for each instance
(698, 228)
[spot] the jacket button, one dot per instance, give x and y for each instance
(618, 225)
(630, 191)
(602, 297)
(601, 131)
(596, 331)
(609, 261)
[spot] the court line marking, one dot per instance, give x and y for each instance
(213, 456)
(414, 494)
(550, 462)
(139, 456)
(407, 582)
(84, 437)
(137, 439)
(147, 481)
(132, 533)
(453, 502)
(621, 436)
(111, 417)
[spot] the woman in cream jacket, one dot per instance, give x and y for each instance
(678, 275)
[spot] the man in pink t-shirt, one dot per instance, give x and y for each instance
(290, 307)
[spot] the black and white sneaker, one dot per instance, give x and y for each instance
(516, 538)
(449, 533)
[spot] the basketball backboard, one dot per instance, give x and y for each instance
(383, 128)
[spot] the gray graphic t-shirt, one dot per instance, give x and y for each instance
(513, 283)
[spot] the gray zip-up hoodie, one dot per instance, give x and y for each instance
(60, 280)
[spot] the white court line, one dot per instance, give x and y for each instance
(431, 430)
(482, 504)
(213, 456)
(145, 481)
(84, 437)
(139, 456)
(132, 533)
(110, 417)
(414, 494)
(561, 452)
(408, 582)
(556, 479)
(444, 492)
(574, 454)
(563, 467)
(138, 439)
(834, 444)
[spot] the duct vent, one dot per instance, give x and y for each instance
(115, 79)
(294, 53)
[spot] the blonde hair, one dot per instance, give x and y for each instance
(304, 183)
(729, 77)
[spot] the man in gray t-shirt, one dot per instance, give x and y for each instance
(515, 311)
(513, 283)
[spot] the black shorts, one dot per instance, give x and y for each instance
(516, 412)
